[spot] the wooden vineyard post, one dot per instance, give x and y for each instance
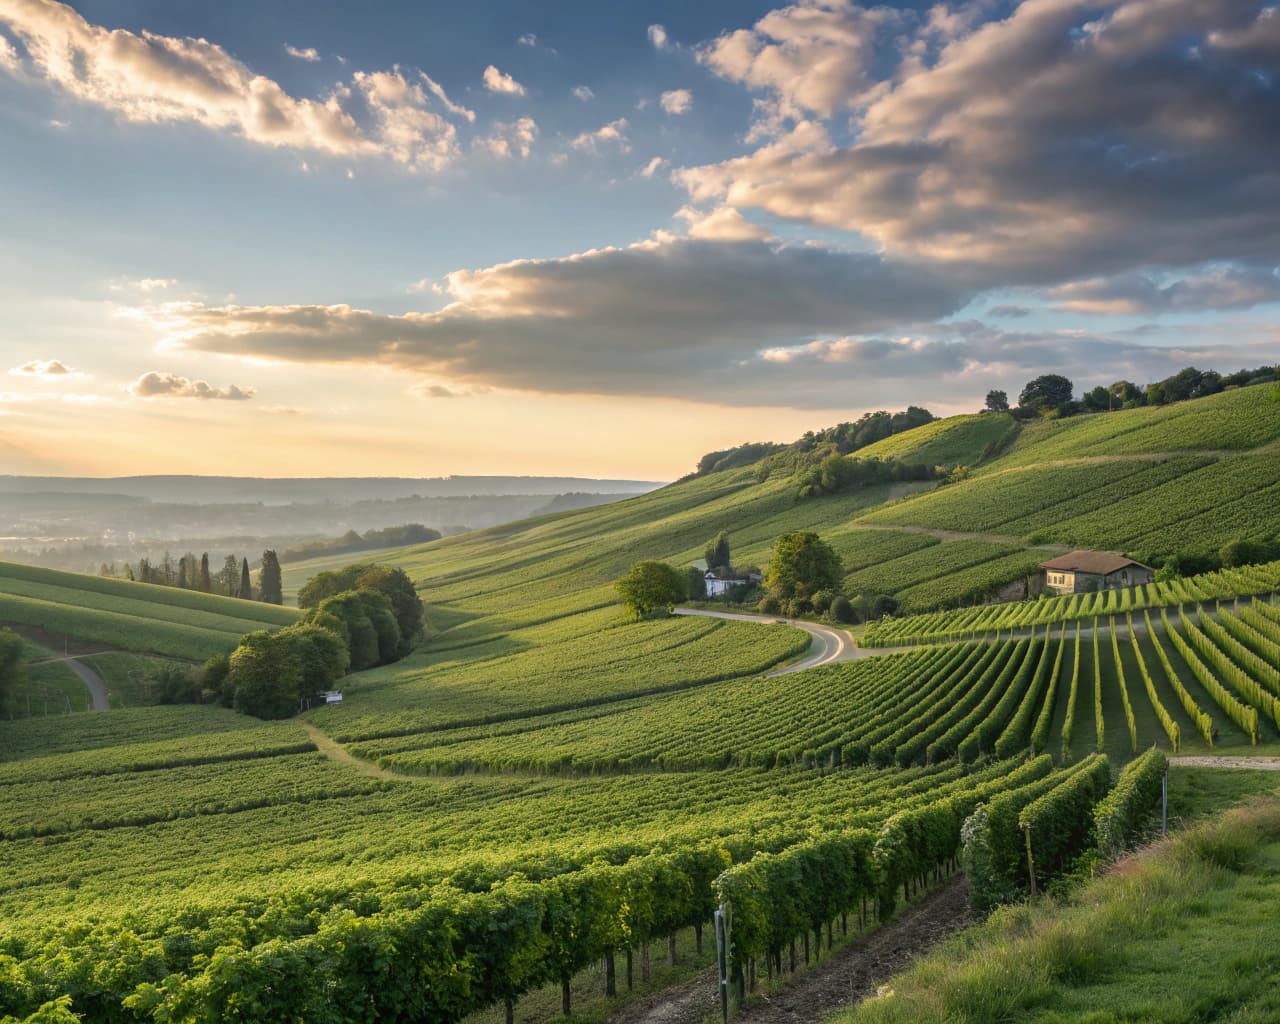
(1031, 864)
(722, 961)
(1164, 801)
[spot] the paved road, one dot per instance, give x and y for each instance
(97, 688)
(829, 644)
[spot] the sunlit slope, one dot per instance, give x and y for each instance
(130, 616)
(956, 440)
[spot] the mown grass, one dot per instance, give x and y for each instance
(1181, 932)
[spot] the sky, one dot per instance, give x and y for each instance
(414, 239)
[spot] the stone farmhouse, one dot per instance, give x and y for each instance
(1082, 572)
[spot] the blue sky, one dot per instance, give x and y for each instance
(462, 238)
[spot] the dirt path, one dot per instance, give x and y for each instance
(1261, 764)
(829, 644)
(852, 973)
(93, 682)
(339, 754)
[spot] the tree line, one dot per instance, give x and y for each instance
(1052, 394)
(233, 579)
(351, 541)
(355, 618)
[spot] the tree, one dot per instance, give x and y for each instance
(182, 573)
(321, 655)
(406, 606)
(270, 583)
(246, 584)
(997, 401)
(1100, 399)
(205, 584)
(842, 609)
(802, 564)
(717, 553)
(359, 631)
(1128, 394)
(651, 587)
(329, 583)
(377, 606)
(1046, 392)
(265, 676)
(229, 576)
(695, 584)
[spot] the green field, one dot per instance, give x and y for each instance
(130, 616)
(957, 440)
(543, 785)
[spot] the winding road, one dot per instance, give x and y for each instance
(829, 645)
(93, 682)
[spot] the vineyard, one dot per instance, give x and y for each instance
(1223, 585)
(544, 788)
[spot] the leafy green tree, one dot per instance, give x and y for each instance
(695, 584)
(717, 552)
(329, 583)
(205, 584)
(214, 675)
(270, 583)
(321, 655)
(228, 576)
(1046, 392)
(246, 583)
(802, 564)
(997, 401)
(265, 675)
(377, 606)
(11, 649)
(362, 637)
(1100, 399)
(396, 585)
(650, 588)
(842, 609)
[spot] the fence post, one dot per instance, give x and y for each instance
(1031, 864)
(722, 962)
(1164, 801)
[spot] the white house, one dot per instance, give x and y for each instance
(718, 586)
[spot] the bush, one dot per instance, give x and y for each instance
(651, 588)
(842, 610)
(821, 601)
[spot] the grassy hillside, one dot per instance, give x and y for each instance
(957, 440)
(130, 616)
(544, 785)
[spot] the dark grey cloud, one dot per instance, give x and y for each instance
(662, 317)
(1071, 139)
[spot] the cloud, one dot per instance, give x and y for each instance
(1009, 311)
(1066, 139)
(513, 138)
(47, 368)
(433, 391)
(677, 101)
(653, 166)
(817, 56)
(658, 37)
(143, 284)
(169, 385)
(150, 78)
(724, 223)
(309, 54)
(496, 81)
(1214, 288)
(528, 39)
(673, 315)
(9, 60)
(614, 133)
(582, 92)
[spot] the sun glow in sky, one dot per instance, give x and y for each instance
(602, 239)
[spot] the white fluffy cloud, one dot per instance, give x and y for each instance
(309, 54)
(513, 138)
(148, 77)
(169, 385)
(583, 93)
(653, 166)
(47, 368)
(677, 101)
(613, 134)
(724, 223)
(658, 37)
(496, 81)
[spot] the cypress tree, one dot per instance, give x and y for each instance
(182, 573)
(206, 584)
(246, 584)
(271, 586)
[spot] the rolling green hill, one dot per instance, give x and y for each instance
(957, 440)
(543, 785)
(130, 616)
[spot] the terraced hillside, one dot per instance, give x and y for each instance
(544, 786)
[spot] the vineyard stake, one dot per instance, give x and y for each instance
(722, 962)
